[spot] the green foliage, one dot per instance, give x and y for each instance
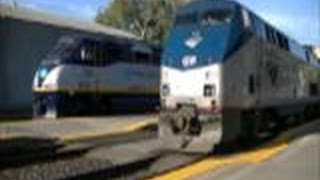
(149, 19)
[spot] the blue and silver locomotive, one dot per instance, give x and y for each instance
(227, 74)
(92, 75)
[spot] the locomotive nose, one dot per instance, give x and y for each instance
(192, 71)
(44, 71)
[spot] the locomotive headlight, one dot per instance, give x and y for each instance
(165, 90)
(43, 73)
(209, 90)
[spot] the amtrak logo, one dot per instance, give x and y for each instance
(194, 40)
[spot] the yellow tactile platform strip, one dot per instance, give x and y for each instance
(213, 163)
(4, 136)
(131, 127)
(65, 138)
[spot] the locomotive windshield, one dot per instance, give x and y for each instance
(210, 17)
(216, 17)
(97, 52)
(63, 48)
(203, 34)
(186, 19)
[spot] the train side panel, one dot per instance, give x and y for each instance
(268, 83)
(239, 73)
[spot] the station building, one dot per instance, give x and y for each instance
(25, 38)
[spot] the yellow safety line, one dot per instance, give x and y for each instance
(214, 163)
(131, 127)
(139, 125)
(135, 126)
(6, 136)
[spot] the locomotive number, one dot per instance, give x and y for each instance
(189, 61)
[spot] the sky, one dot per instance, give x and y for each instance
(299, 19)
(80, 9)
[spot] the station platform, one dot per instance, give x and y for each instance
(298, 158)
(72, 129)
(294, 155)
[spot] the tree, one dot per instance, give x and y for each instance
(148, 19)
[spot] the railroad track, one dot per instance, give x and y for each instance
(153, 162)
(111, 158)
(21, 153)
(118, 156)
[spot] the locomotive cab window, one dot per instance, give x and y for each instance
(114, 53)
(216, 17)
(276, 38)
(101, 55)
(86, 55)
(63, 49)
(282, 41)
(271, 34)
(91, 54)
(186, 19)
